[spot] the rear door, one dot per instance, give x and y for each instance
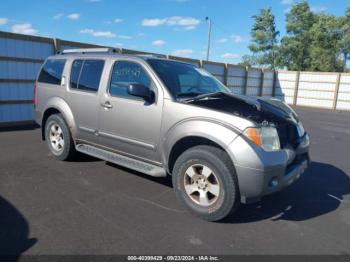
(129, 124)
(83, 86)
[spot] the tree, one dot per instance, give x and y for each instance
(345, 37)
(325, 38)
(295, 47)
(247, 60)
(264, 40)
(313, 41)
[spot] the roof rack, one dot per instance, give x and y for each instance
(151, 55)
(90, 50)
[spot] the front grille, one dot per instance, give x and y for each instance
(288, 135)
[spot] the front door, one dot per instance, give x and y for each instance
(128, 124)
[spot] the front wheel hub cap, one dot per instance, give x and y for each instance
(201, 185)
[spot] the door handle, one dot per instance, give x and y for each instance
(107, 105)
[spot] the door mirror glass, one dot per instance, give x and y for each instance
(142, 91)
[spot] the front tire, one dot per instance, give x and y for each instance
(205, 181)
(58, 138)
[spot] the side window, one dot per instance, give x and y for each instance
(86, 74)
(75, 73)
(51, 73)
(125, 73)
(91, 75)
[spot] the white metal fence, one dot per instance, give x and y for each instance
(21, 57)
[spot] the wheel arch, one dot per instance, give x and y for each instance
(186, 143)
(58, 106)
(194, 133)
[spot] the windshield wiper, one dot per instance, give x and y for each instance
(191, 94)
(202, 96)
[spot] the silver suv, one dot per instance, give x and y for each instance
(161, 117)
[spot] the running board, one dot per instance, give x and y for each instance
(121, 160)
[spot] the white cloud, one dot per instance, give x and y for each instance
(3, 21)
(221, 40)
(107, 34)
(182, 21)
(92, 32)
(318, 9)
(58, 16)
(118, 20)
(87, 31)
(118, 44)
(231, 56)
(140, 34)
(115, 21)
(153, 22)
(26, 29)
(190, 27)
(124, 37)
(73, 16)
(237, 39)
(188, 23)
(287, 2)
(182, 52)
(158, 42)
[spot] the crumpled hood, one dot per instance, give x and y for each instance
(258, 109)
(261, 111)
(274, 103)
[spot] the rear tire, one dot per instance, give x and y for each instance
(205, 181)
(58, 138)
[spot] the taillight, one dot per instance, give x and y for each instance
(35, 98)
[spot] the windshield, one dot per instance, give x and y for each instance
(185, 80)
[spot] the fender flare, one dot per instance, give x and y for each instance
(217, 132)
(62, 106)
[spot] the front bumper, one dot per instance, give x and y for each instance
(261, 173)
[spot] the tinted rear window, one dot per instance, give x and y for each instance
(51, 73)
(86, 74)
(75, 73)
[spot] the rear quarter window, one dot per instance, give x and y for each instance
(51, 72)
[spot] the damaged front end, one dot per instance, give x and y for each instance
(270, 155)
(280, 150)
(263, 112)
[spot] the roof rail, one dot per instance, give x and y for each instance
(151, 55)
(90, 50)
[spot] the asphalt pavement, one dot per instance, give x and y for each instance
(92, 207)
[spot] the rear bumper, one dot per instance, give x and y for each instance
(261, 173)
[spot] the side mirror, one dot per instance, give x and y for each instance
(142, 91)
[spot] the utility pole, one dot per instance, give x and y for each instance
(209, 32)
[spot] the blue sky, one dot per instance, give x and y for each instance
(162, 26)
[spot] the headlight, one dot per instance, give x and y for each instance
(265, 137)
